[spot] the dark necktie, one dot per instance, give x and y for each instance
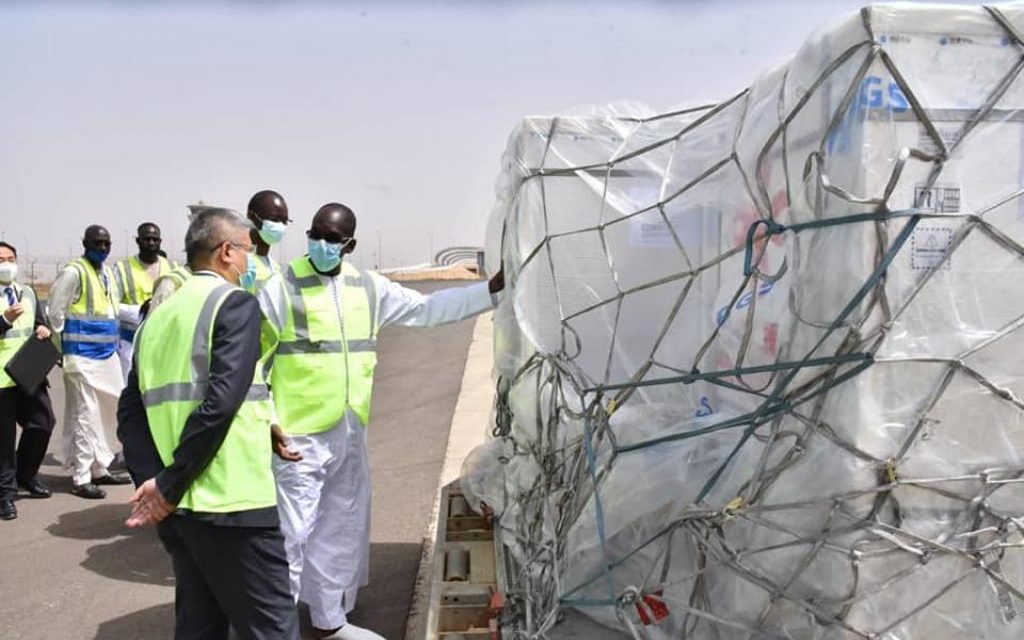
(10, 295)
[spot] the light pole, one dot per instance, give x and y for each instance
(380, 251)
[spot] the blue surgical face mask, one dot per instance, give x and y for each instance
(272, 232)
(96, 256)
(247, 279)
(324, 255)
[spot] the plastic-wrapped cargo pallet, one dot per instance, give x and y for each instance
(760, 375)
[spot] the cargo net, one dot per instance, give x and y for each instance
(760, 372)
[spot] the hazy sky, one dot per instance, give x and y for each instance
(117, 112)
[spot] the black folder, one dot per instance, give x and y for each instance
(31, 363)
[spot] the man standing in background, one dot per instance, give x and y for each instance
(21, 320)
(135, 277)
(268, 213)
(83, 308)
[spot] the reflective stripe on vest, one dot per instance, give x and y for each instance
(173, 363)
(323, 367)
(327, 346)
(91, 328)
(19, 332)
(90, 338)
(194, 392)
(179, 275)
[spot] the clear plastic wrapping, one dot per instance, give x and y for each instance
(759, 371)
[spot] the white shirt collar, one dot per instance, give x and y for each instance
(207, 272)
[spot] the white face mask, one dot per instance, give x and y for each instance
(8, 272)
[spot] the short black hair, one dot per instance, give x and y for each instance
(6, 245)
(268, 204)
(145, 225)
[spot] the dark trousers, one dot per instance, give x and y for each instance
(225, 575)
(34, 413)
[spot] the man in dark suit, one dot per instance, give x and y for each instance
(194, 420)
(21, 319)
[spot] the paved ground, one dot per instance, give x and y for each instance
(71, 570)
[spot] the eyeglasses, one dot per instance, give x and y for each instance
(248, 248)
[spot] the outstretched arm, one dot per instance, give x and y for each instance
(409, 308)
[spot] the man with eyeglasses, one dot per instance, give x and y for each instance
(327, 315)
(195, 422)
(83, 309)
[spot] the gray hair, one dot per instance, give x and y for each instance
(209, 229)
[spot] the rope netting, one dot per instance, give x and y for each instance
(760, 370)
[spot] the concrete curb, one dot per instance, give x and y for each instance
(468, 429)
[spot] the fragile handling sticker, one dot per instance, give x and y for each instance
(929, 246)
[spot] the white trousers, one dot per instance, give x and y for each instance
(90, 416)
(324, 504)
(124, 355)
(128, 315)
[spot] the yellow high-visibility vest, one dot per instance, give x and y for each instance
(133, 279)
(19, 333)
(173, 364)
(91, 327)
(324, 364)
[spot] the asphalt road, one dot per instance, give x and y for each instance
(71, 570)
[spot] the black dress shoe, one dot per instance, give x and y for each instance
(35, 487)
(117, 464)
(7, 510)
(111, 480)
(89, 491)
